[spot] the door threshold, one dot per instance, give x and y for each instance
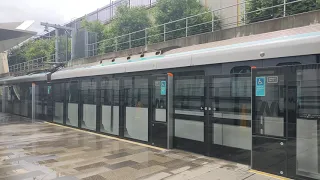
(268, 174)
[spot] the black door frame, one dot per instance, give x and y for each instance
(221, 151)
(155, 138)
(288, 141)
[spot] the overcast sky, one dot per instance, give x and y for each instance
(52, 11)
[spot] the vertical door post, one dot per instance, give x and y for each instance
(170, 120)
(33, 101)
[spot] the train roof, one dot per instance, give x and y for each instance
(286, 43)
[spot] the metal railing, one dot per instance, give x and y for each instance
(32, 65)
(210, 21)
(104, 14)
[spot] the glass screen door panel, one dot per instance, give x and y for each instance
(159, 111)
(110, 106)
(136, 98)
(72, 118)
(58, 102)
(230, 98)
(308, 122)
(269, 121)
(189, 105)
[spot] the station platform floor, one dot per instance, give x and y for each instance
(38, 150)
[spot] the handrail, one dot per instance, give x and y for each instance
(163, 34)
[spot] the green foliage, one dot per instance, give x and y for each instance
(173, 10)
(129, 20)
(134, 20)
(40, 48)
(94, 26)
(126, 20)
(63, 48)
(32, 50)
(259, 10)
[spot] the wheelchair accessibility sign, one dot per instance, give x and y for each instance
(261, 86)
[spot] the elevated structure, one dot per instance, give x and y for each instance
(12, 34)
(252, 100)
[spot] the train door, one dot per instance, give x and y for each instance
(190, 112)
(229, 117)
(159, 109)
(270, 120)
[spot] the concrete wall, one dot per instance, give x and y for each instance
(230, 11)
(288, 22)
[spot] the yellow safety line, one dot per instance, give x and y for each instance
(109, 137)
(268, 175)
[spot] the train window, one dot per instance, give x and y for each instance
(110, 93)
(136, 100)
(231, 102)
(288, 63)
(88, 91)
(136, 92)
(58, 92)
(189, 93)
(240, 70)
(189, 101)
(73, 92)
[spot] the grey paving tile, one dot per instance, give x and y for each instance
(95, 177)
(4, 170)
(43, 150)
(66, 178)
(32, 174)
(94, 165)
(122, 165)
(114, 156)
(6, 154)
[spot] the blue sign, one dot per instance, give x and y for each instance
(163, 88)
(261, 86)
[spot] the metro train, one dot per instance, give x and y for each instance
(248, 100)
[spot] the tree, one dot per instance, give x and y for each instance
(174, 10)
(259, 10)
(40, 48)
(94, 26)
(16, 55)
(130, 20)
(127, 20)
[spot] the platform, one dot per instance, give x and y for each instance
(40, 150)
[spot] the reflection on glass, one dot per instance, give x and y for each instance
(270, 110)
(110, 106)
(73, 106)
(231, 102)
(41, 97)
(15, 94)
(308, 115)
(136, 99)
(88, 97)
(189, 107)
(160, 100)
(58, 91)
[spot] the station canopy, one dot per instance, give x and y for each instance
(14, 33)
